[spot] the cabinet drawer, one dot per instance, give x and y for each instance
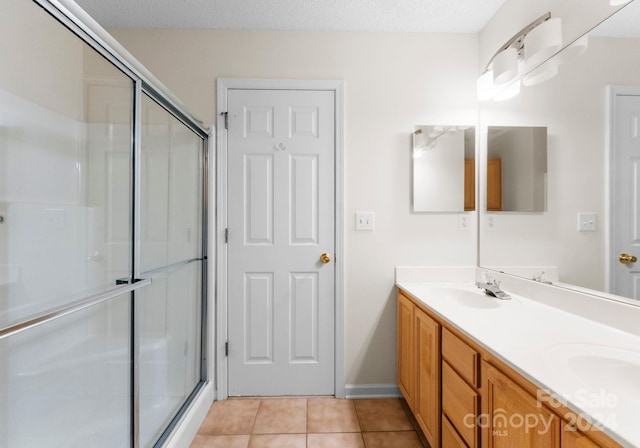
(461, 357)
(460, 405)
(450, 438)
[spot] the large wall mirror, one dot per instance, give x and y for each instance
(443, 177)
(591, 206)
(516, 170)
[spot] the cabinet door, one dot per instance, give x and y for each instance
(572, 438)
(406, 350)
(427, 404)
(512, 417)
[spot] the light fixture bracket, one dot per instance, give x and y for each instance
(517, 41)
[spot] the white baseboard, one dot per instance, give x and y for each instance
(372, 391)
(183, 434)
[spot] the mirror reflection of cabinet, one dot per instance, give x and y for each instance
(469, 184)
(443, 169)
(516, 168)
(494, 184)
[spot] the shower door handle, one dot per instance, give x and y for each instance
(127, 281)
(65, 310)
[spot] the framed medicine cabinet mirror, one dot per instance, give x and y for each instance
(443, 168)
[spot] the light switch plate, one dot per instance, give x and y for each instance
(464, 222)
(491, 223)
(365, 220)
(587, 222)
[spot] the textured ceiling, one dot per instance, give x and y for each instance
(434, 16)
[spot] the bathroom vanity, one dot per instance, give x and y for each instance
(481, 372)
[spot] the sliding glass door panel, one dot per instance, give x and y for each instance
(67, 382)
(169, 358)
(171, 190)
(170, 252)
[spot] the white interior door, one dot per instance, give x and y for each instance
(281, 219)
(625, 220)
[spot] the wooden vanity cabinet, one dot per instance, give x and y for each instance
(572, 438)
(419, 366)
(406, 350)
(512, 417)
(462, 396)
(460, 387)
(450, 437)
(427, 403)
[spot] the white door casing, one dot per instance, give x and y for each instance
(283, 199)
(625, 192)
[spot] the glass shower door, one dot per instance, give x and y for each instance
(171, 255)
(66, 120)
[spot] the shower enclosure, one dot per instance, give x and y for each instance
(102, 241)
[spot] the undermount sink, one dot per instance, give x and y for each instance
(473, 298)
(600, 368)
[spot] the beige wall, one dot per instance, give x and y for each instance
(393, 81)
(32, 48)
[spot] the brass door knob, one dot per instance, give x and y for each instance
(325, 258)
(627, 259)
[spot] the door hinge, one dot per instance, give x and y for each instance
(226, 236)
(226, 348)
(226, 119)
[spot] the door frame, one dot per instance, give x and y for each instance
(613, 92)
(223, 86)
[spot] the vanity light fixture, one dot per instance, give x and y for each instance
(541, 74)
(423, 141)
(526, 50)
(510, 91)
(542, 42)
(487, 89)
(576, 48)
(505, 66)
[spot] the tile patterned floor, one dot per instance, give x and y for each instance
(307, 423)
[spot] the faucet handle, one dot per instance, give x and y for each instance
(489, 280)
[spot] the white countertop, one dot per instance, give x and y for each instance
(592, 368)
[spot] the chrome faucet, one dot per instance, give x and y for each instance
(541, 277)
(491, 287)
